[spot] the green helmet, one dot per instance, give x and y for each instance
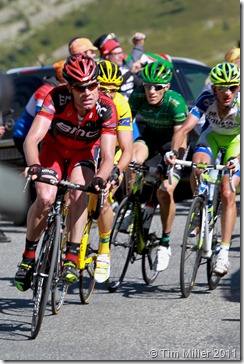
(157, 72)
(225, 73)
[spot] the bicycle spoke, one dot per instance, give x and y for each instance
(190, 252)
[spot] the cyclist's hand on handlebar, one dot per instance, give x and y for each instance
(98, 183)
(34, 171)
(169, 157)
(233, 164)
(114, 177)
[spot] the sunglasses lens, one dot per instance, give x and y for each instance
(148, 86)
(224, 89)
(90, 87)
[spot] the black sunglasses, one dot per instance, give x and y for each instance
(156, 87)
(226, 88)
(90, 87)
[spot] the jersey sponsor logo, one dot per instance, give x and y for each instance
(64, 99)
(124, 122)
(76, 133)
(228, 122)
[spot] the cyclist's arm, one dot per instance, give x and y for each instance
(125, 139)
(181, 133)
(37, 132)
(107, 145)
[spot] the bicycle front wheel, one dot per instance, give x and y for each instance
(87, 281)
(121, 245)
(190, 252)
(59, 288)
(43, 274)
(213, 278)
(149, 254)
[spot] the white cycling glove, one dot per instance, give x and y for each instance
(236, 163)
(169, 155)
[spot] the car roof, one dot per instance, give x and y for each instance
(23, 70)
(188, 60)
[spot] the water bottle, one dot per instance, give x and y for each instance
(149, 210)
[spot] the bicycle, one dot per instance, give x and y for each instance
(140, 241)
(202, 233)
(89, 249)
(47, 274)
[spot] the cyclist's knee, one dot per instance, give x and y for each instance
(165, 192)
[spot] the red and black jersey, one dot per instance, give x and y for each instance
(68, 128)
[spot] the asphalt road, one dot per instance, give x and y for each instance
(138, 322)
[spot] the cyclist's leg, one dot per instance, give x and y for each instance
(36, 221)
(229, 211)
(81, 171)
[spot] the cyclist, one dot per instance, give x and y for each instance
(110, 79)
(163, 111)
(73, 117)
(82, 45)
(221, 129)
(23, 124)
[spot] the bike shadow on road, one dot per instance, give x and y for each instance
(15, 319)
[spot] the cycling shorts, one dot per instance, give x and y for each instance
(53, 156)
(211, 142)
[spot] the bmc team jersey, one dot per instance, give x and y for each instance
(227, 125)
(160, 119)
(71, 130)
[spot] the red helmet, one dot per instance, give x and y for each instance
(80, 68)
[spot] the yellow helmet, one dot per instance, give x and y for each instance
(109, 73)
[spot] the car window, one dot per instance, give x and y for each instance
(195, 78)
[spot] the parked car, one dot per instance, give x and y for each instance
(25, 82)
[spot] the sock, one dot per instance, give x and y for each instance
(104, 243)
(30, 250)
(165, 240)
(224, 245)
(72, 251)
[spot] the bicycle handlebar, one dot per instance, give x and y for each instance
(219, 167)
(137, 167)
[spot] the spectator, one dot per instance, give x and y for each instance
(111, 50)
(82, 45)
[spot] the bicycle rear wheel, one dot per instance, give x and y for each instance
(149, 254)
(213, 278)
(190, 252)
(121, 246)
(43, 274)
(87, 281)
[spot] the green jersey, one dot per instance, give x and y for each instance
(162, 118)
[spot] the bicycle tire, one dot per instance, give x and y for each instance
(86, 279)
(44, 274)
(121, 247)
(213, 279)
(59, 288)
(149, 254)
(190, 252)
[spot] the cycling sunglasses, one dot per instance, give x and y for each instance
(80, 88)
(156, 87)
(108, 90)
(226, 88)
